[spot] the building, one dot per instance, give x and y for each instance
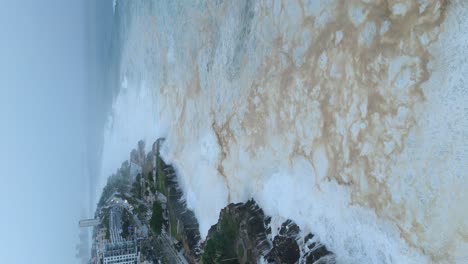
(121, 253)
(89, 222)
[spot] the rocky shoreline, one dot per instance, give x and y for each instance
(247, 234)
(243, 234)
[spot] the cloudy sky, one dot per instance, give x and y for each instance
(44, 85)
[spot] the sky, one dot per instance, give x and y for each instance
(44, 112)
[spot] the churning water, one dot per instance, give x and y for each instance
(349, 117)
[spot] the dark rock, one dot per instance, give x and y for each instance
(285, 250)
(288, 247)
(316, 254)
(308, 237)
(289, 229)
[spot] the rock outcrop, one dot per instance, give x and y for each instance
(290, 247)
(243, 235)
(240, 235)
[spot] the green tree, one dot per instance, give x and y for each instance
(156, 220)
(221, 246)
(150, 177)
(125, 224)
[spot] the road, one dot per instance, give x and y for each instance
(115, 225)
(168, 250)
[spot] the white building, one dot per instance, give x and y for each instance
(89, 222)
(121, 253)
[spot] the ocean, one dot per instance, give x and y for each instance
(348, 117)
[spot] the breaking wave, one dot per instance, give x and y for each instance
(348, 117)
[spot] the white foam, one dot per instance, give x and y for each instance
(357, 14)
(133, 118)
(162, 61)
(354, 233)
(399, 9)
